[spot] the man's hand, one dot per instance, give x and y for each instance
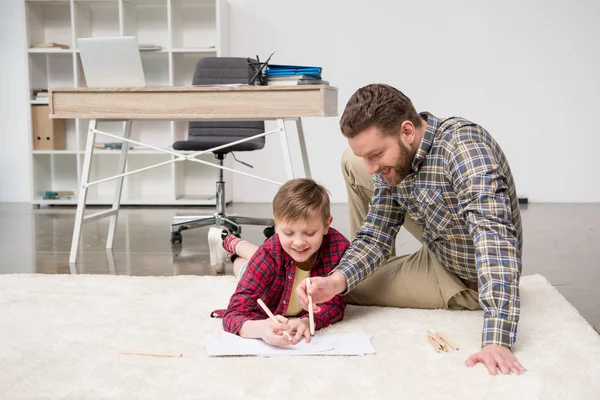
(322, 289)
(496, 358)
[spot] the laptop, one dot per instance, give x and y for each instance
(111, 62)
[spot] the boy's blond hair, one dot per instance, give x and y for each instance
(301, 199)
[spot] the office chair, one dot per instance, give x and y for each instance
(204, 135)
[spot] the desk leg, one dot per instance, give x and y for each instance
(285, 148)
(118, 186)
(85, 178)
(305, 163)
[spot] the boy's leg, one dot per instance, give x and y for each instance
(239, 266)
(245, 249)
(222, 245)
(417, 280)
(218, 255)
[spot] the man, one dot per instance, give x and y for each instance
(449, 184)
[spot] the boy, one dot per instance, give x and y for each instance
(304, 245)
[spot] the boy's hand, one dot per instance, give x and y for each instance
(299, 327)
(273, 332)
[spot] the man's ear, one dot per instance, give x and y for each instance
(408, 131)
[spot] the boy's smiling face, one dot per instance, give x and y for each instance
(302, 238)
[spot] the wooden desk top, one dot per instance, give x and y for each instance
(195, 102)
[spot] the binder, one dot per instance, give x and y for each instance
(285, 70)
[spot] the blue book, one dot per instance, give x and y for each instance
(283, 70)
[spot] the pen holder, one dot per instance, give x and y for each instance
(258, 77)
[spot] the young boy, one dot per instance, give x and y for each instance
(304, 245)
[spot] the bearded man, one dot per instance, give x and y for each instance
(449, 184)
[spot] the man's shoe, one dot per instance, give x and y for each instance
(218, 255)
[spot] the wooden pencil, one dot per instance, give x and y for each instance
(271, 315)
(443, 346)
(438, 339)
(311, 313)
(445, 339)
(143, 353)
(435, 345)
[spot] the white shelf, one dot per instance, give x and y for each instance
(55, 152)
(186, 30)
(107, 201)
(131, 152)
(194, 50)
(50, 50)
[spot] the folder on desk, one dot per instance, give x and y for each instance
(286, 70)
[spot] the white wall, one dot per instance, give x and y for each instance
(15, 181)
(526, 70)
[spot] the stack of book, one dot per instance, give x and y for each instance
(62, 195)
(41, 95)
(109, 146)
(284, 75)
(149, 47)
(50, 45)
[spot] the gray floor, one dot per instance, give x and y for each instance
(560, 243)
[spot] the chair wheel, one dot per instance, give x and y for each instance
(269, 231)
(176, 238)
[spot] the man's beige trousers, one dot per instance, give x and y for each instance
(413, 281)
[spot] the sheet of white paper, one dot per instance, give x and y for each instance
(349, 344)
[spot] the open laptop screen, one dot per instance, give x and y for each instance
(111, 62)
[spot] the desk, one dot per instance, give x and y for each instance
(278, 103)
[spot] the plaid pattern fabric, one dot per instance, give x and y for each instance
(462, 194)
(270, 276)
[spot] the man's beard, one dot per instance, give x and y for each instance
(404, 165)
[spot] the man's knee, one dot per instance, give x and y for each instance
(400, 282)
(355, 170)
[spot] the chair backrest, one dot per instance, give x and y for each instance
(225, 70)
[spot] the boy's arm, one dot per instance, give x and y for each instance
(254, 282)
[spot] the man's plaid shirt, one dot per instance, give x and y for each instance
(462, 194)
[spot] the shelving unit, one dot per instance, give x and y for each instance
(187, 30)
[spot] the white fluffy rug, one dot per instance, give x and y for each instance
(60, 336)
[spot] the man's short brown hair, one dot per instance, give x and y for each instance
(301, 199)
(379, 105)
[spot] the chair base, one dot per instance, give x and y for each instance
(233, 223)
